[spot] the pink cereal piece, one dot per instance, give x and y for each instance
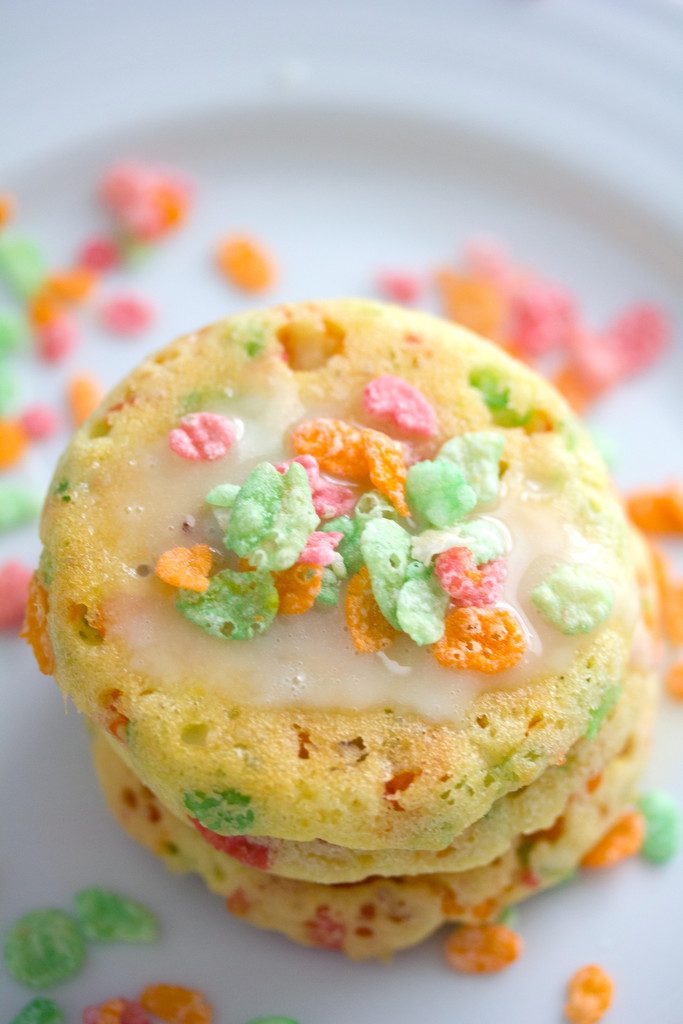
(329, 499)
(393, 398)
(399, 285)
(126, 314)
(638, 337)
(127, 1012)
(310, 464)
(14, 581)
(57, 339)
(467, 584)
(202, 436)
(542, 318)
(40, 421)
(99, 253)
(320, 548)
(597, 364)
(486, 258)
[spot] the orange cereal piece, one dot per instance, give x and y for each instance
(84, 394)
(73, 285)
(337, 445)
(471, 301)
(674, 680)
(34, 630)
(188, 568)
(575, 388)
(589, 995)
(623, 840)
(246, 263)
(480, 639)
(387, 467)
(7, 206)
(13, 443)
(672, 612)
(176, 1005)
(43, 308)
(172, 204)
(369, 630)
(482, 948)
(298, 588)
(658, 511)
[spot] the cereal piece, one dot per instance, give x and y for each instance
(126, 314)
(674, 680)
(320, 547)
(145, 201)
(475, 303)
(385, 547)
(104, 916)
(421, 607)
(394, 399)
(438, 492)
(387, 467)
(84, 394)
(541, 318)
(186, 567)
(223, 495)
(662, 816)
(574, 598)
(19, 504)
(485, 538)
(39, 1011)
(246, 263)
(373, 505)
(465, 583)
(575, 387)
(115, 1011)
(35, 626)
(272, 517)
(623, 840)
(56, 339)
(7, 208)
(338, 446)
(399, 285)
(43, 948)
(13, 332)
(43, 308)
(482, 948)
(672, 611)
(9, 388)
(40, 421)
(75, 285)
(477, 454)
(349, 545)
(298, 587)
(22, 266)
(368, 628)
(235, 606)
(15, 578)
(99, 253)
(589, 995)
(176, 1005)
(658, 510)
(330, 587)
(480, 640)
(639, 336)
(202, 436)
(329, 499)
(226, 810)
(485, 257)
(13, 443)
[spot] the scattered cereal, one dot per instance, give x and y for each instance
(320, 547)
(329, 499)
(145, 202)
(542, 317)
(84, 394)
(15, 578)
(662, 816)
(202, 436)
(574, 598)
(186, 567)
(246, 263)
(349, 545)
(465, 583)
(105, 916)
(482, 948)
(385, 547)
(19, 504)
(74, 285)
(399, 285)
(392, 398)
(657, 510)
(589, 995)
(639, 336)
(43, 948)
(477, 454)
(22, 266)
(235, 606)
(623, 840)
(126, 314)
(298, 587)
(674, 680)
(176, 1005)
(480, 640)
(13, 443)
(13, 331)
(421, 607)
(338, 446)
(438, 492)
(7, 208)
(115, 1011)
(476, 304)
(368, 628)
(485, 538)
(387, 467)
(39, 1011)
(57, 338)
(99, 253)
(39, 421)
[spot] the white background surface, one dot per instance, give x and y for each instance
(349, 138)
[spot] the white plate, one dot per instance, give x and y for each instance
(349, 139)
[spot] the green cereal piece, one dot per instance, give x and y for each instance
(373, 505)
(272, 517)
(421, 608)
(19, 504)
(509, 917)
(104, 916)
(236, 606)
(486, 539)
(21, 265)
(385, 546)
(249, 335)
(9, 388)
(349, 545)
(329, 588)
(438, 492)
(13, 331)
(600, 713)
(478, 453)
(496, 396)
(574, 598)
(43, 948)
(225, 810)
(224, 495)
(662, 815)
(39, 1011)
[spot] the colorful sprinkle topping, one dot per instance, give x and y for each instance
(44, 948)
(235, 605)
(105, 916)
(188, 568)
(202, 436)
(589, 995)
(176, 1005)
(438, 493)
(481, 640)
(574, 598)
(394, 399)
